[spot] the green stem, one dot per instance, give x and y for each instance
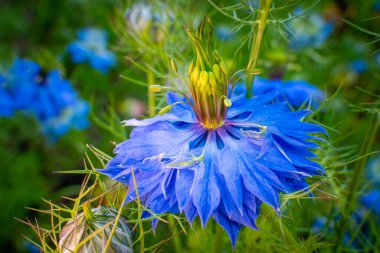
(139, 214)
(270, 215)
(218, 239)
(176, 239)
(151, 98)
(255, 49)
(358, 170)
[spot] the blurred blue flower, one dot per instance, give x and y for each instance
(373, 170)
(376, 5)
(310, 31)
(227, 172)
(47, 96)
(91, 47)
(371, 200)
(326, 226)
(224, 32)
(359, 66)
(139, 16)
(72, 117)
(6, 103)
(377, 60)
(296, 93)
(20, 81)
(50, 95)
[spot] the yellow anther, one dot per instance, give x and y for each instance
(155, 88)
(165, 109)
(195, 75)
(212, 81)
(227, 102)
(191, 67)
(203, 78)
(215, 69)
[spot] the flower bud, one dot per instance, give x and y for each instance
(98, 221)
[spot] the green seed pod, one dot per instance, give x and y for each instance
(78, 234)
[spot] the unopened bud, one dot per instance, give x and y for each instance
(90, 232)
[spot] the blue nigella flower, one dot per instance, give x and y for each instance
(47, 96)
(216, 154)
(6, 103)
(311, 31)
(296, 93)
(91, 47)
(180, 166)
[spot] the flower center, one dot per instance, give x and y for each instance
(208, 81)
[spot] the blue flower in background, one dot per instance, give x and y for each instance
(373, 170)
(91, 47)
(51, 94)
(296, 93)
(6, 103)
(224, 32)
(359, 66)
(72, 117)
(20, 81)
(310, 31)
(351, 239)
(371, 200)
(227, 172)
(47, 96)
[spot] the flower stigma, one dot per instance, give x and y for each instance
(208, 79)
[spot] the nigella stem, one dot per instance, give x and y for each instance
(358, 171)
(270, 215)
(176, 238)
(151, 98)
(255, 49)
(139, 214)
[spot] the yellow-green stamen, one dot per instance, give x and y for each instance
(208, 81)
